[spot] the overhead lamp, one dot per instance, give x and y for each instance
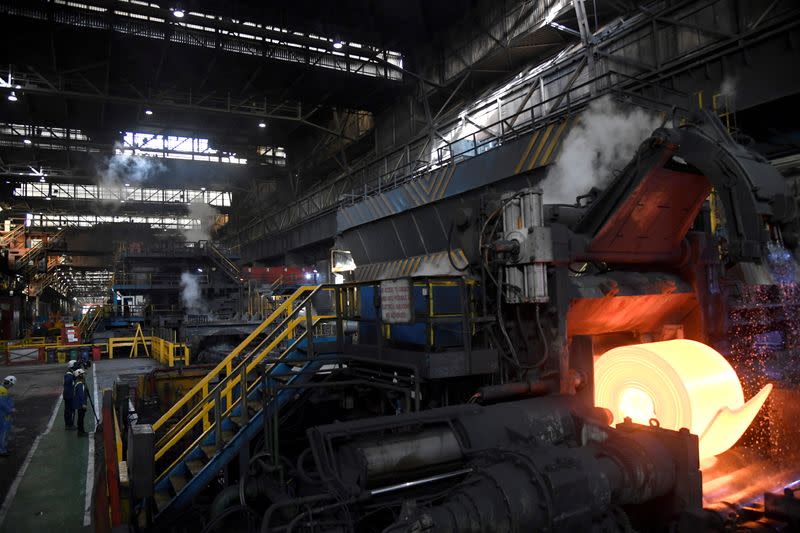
(41, 180)
(12, 97)
(127, 184)
(27, 141)
(47, 198)
(200, 270)
(148, 112)
(178, 13)
(338, 43)
(262, 124)
(202, 188)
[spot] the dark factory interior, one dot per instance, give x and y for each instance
(373, 266)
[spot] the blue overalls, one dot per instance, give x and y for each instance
(79, 404)
(69, 408)
(6, 408)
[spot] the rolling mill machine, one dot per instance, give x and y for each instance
(561, 368)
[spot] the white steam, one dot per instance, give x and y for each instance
(207, 215)
(124, 169)
(728, 87)
(606, 138)
(190, 293)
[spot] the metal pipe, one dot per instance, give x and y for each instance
(418, 482)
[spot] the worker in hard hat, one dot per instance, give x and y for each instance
(68, 395)
(80, 397)
(6, 409)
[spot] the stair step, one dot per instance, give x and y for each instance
(178, 482)
(255, 405)
(238, 420)
(162, 499)
(209, 449)
(195, 466)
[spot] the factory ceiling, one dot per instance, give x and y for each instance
(234, 95)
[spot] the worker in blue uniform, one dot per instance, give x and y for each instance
(68, 395)
(79, 398)
(6, 409)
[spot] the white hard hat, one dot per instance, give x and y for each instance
(9, 381)
(71, 364)
(79, 372)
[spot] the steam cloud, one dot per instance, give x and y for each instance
(190, 293)
(206, 214)
(728, 87)
(134, 169)
(605, 139)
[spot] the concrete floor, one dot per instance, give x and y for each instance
(45, 489)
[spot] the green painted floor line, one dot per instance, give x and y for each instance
(52, 493)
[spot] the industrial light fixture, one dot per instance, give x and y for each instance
(338, 43)
(200, 270)
(148, 112)
(262, 124)
(12, 97)
(178, 13)
(202, 188)
(41, 179)
(127, 184)
(27, 141)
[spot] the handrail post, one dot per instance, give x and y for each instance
(339, 320)
(309, 331)
(206, 421)
(229, 394)
(217, 420)
(243, 390)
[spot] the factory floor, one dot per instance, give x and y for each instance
(45, 480)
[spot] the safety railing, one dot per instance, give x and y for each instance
(39, 283)
(167, 352)
(150, 279)
(377, 176)
(222, 261)
(9, 237)
(90, 320)
(220, 400)
(200, 390)
(24, 262)
(241, 382)
(164, 351)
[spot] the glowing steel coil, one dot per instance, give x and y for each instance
(681, 383)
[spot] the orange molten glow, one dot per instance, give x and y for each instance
(680, 383)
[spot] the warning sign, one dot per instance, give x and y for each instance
(396, 305)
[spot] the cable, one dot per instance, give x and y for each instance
(450, 248)
(232, 510)
(546, 355)
(500, 320)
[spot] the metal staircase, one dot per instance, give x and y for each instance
(26, 264)
(89, 321)
(207, 428)
(9, 238)
(223, 263)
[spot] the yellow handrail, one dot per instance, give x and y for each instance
(226, 363)
(184, 426)
(202, 408)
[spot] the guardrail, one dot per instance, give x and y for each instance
(283, 322)
(163, 351)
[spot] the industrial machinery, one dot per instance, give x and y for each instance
(468, 403)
